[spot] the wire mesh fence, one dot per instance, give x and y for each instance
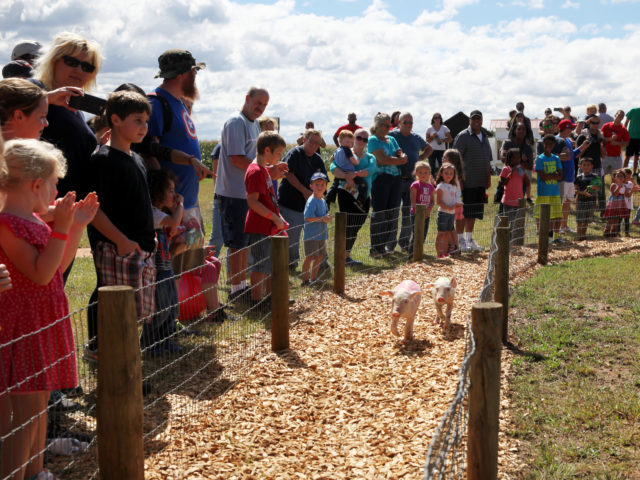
(208, 328)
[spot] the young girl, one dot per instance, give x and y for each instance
(452, 156)
(447, 197)
(513, 179)
(37, 350)
(421, 192)
(168, 212)
(628, 196)
(616, 205)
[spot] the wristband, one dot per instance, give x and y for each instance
(59, 235)
(269, 216)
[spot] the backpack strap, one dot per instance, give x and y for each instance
(167, 114)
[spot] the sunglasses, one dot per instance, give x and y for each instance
(362, 139)
(594, 123)
(73, 62)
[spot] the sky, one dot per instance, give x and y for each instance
(321, 59)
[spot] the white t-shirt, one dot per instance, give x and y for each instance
(441, 134)
(450, 197)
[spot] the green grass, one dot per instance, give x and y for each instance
(576, 393)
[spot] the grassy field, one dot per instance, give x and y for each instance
(576, 393)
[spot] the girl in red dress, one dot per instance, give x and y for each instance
(36, 341)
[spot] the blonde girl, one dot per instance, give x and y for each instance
(447, 198)
(616, 204)
(421, 192)
(36, 341)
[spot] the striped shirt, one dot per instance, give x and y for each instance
(476, 158)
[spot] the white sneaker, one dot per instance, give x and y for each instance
(474, 247)
(463, 246)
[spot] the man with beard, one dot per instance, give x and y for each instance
(178, 68)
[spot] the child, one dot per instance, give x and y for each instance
(587, 184)
(628, 196)
(452, 156)
(316, 216)
(36, 339)
(447, 197)
(515, 181)
(122, 237)
(549, 171)
(421, 192)
(263, 218)
(616, 208)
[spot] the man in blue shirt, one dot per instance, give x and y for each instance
(412, 144)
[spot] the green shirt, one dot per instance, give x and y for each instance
(634, 122)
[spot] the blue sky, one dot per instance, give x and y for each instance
(323, 59)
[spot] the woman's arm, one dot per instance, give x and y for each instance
(383, 159)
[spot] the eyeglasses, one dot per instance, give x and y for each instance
(594, 123)
(73, 62)
(362, 139)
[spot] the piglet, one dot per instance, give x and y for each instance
(406, 298)
(444, 292)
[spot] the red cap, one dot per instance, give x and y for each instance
(566, 124)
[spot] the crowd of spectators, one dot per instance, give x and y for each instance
(141, 157)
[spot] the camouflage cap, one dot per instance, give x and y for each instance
(174, 62)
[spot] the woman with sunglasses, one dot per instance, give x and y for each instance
(438, 135)
(72, 61)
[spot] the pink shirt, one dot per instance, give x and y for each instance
(423, 195)
(512, 190)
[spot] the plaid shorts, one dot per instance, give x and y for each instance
(136, 270)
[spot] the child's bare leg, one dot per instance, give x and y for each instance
(210, 292)
(442, 243)
(317, 259)
(257, 279)
(453, 238)
(582, 231)
(306, 267)
(460, 226)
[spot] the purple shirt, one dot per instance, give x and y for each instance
(424, 194)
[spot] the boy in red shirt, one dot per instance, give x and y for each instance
(616, 137)
(263, 218)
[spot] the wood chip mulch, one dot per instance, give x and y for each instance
(349, 401)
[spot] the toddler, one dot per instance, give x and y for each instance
(421, 192)
(587, 185)
(316, 216)
(447, 197)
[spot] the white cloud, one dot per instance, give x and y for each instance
(320, 68)
(570, 4)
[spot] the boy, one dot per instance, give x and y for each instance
(587, 184)
(316, 216)
(121, 235)
(549, 171)
(263, 218)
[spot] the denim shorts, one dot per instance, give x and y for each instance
(234, 213)
(260, 253)
(446, 221)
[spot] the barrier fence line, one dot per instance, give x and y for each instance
(204, 348)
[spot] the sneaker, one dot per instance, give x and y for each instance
(350, 261)
(172, 347)
(444, 255)
(376, 254)
(464, 247)
(389, 251)
(306, 283)
(454, 252)
(474, 246)
(182, 329)
(90, 355)
(569, 230)
(59, 402)
(218, 316)
(45, 475)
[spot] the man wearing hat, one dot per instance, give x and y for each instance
(170, 123)
(473, 145)
(17, 69)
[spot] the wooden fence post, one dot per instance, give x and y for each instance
(501, 276)
(484, 393)
(503, 221)
(543, 233)
(339, 252)
(119, 404)
(418, 233)
(279, 293)
(518, 227)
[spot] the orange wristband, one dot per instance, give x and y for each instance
(269, 216)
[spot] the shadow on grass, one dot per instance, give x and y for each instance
(532, 356)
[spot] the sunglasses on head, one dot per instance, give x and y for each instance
(73, 62)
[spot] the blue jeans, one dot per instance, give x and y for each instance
(385, 200)
(296, 223)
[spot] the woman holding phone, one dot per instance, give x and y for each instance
(72, 61)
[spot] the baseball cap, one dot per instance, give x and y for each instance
(174, 62)
(566, 124)
(475, 113)
(319, 176)
(26, 48)
(17, 68)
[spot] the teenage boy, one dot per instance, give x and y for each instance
(587, 185)
(316, 217)
(549, 171)
(122, 237)
(263, 218)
